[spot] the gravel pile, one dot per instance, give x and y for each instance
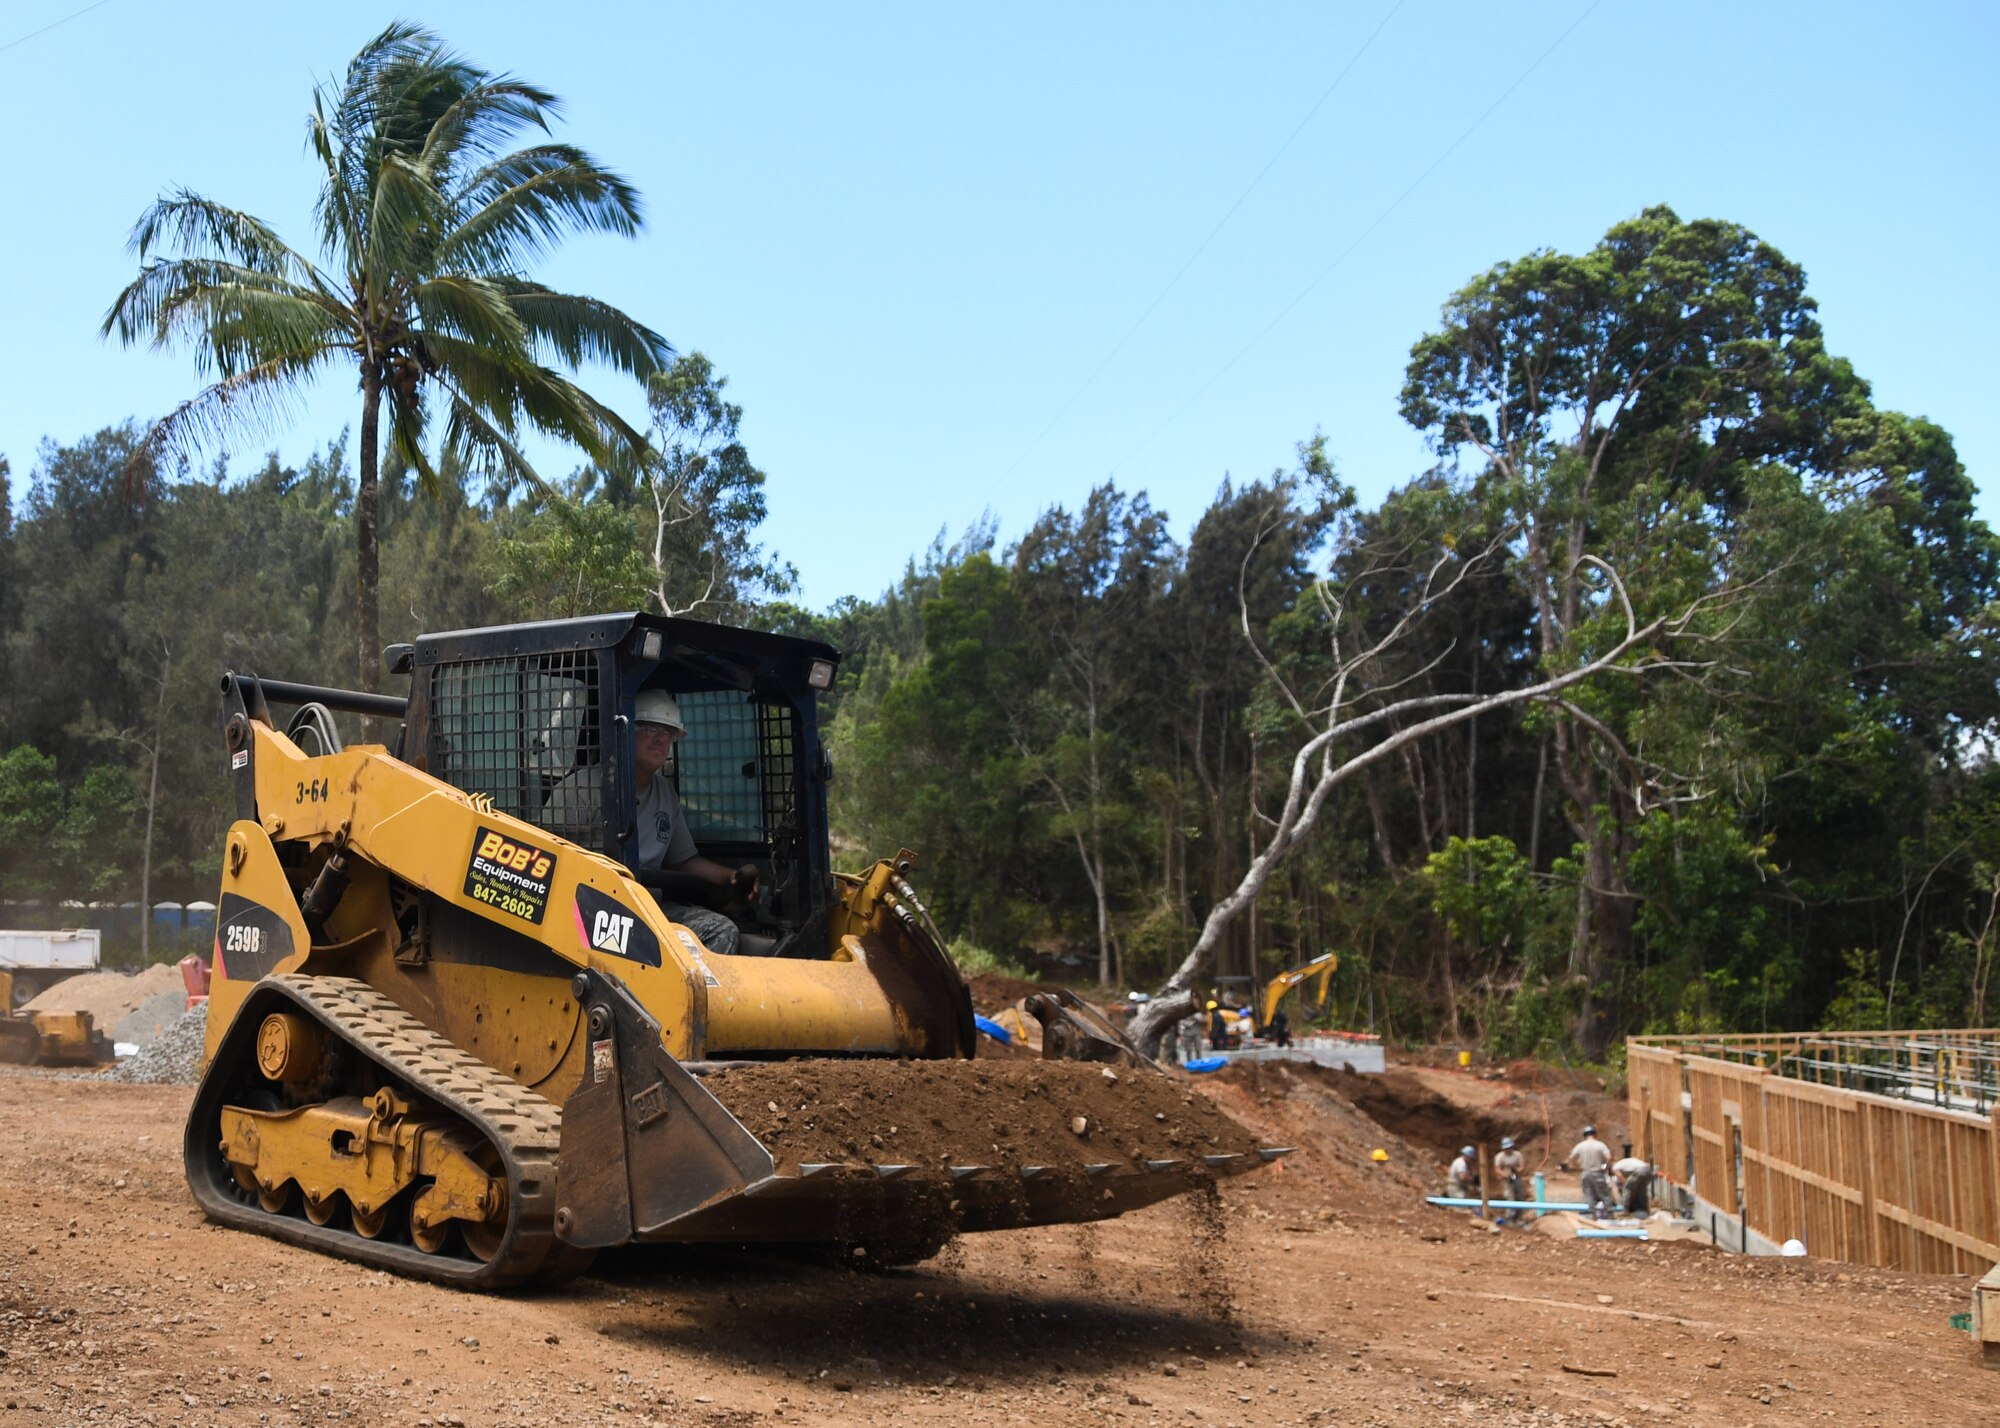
(171, 1058)
(111, 996)
(151, 1017)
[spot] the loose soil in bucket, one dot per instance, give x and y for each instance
(938, 1113)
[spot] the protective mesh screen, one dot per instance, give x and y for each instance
(734, 767)
(525, 732)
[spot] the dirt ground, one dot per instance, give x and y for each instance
(1333, 1296)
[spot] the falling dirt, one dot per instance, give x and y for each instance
(1205, 1261)
(939, 1113)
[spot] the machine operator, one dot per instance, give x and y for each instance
(664, 840)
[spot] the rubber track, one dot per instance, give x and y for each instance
(524, 1127)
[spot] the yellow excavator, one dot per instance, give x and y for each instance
(1320, 969)
(453, 1033)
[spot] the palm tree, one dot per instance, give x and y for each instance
(426, 225)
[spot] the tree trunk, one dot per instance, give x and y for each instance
(1535, 809)
(367, 558)
(152, 802)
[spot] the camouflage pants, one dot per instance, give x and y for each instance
(717, 932)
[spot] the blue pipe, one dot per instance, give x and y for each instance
(1584, 1234)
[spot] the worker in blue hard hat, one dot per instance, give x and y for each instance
(1463, 1178)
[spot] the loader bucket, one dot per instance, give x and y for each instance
(893, 1157)
(53, 1039)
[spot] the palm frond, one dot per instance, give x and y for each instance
(232, 326)
(378, 78)
(202, 228)
(338, 208)
(510, 388)
(149, 305)
(515, 393)
(483, 446)
(405, 217)
(530, 200)
(250, 402)
(481, 121)
(578, 329)
(407, 421)
(475, 309)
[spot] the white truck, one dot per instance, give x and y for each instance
(36, 961)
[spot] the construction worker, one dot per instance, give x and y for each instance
(1280, 1029)
(664, 840)
(1635, 1184)
(1592, 1157)
(1218, 1027)
(1507, 1167)
(1189, 1034)
(1463, 1178)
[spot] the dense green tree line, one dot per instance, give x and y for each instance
(1780, 809)
(1790, 816)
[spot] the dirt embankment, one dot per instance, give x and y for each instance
(992, 991)
(1398, 1101)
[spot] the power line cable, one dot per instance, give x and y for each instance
(1360, 238)
(1200, 248)
(74, 14)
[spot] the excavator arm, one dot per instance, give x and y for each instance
(1320, 969)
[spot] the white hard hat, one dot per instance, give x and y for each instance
(656, 706)
(1792, 1249)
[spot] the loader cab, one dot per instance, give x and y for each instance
(538, 717)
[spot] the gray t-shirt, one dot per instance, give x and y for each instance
(1589, 1155)
(664, 840)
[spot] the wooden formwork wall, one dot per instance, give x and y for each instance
(1857, 1177)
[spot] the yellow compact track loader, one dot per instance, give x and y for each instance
(451, 1031)
(48, 1038)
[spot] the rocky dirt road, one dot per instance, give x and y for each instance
(1332, 1297)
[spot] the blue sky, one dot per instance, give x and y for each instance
(910, 234)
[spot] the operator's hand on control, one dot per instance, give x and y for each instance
(744, 882)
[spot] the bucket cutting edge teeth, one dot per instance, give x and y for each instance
(1034, 1172)
(1101, 1168)
(892, 1172)
(959, 1172)
(1159, 1165)
(1215, 1162)
(1278, 1152)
